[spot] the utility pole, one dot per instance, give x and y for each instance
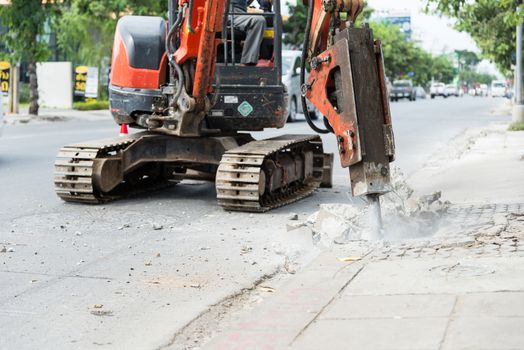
(14, 83)
(518, 110)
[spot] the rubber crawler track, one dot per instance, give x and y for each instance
(74, 170)
(239, 174)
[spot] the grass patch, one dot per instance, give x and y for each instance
(516, 127)
(91, 105)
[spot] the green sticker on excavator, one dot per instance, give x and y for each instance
(245, 108)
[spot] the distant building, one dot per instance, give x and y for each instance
(402, 18)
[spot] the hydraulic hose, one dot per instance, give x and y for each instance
(305, 50)
(190, 16)
(170, 51)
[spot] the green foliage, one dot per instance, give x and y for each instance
(470, 77)
(402, 57)
(295, 26)
(25, 20)
(91, 105)
(24, 93)
(491, 23)
(442, 69)
(467, 58)
(516, 127)
(86, 28)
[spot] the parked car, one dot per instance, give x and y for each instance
(498, 89)
(420, 92)
(403, 89)
(437, 89)
(451, 90)
(481, 90)
(291, 63)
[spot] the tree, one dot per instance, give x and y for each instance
(491, 23)
(403, 59)
(469, 77)
(467, 58)
(85, 29)
(295, 26)
(442, 69)
(26, 20)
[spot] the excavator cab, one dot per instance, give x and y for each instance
(249, 98)
(240, 99)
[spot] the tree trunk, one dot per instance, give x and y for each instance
(33, 89)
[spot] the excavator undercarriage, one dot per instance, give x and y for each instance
(253, 176)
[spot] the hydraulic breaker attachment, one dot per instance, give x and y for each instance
(347, 85)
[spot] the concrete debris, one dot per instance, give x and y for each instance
(350, 259)
(289, 266)
(293, 217)
(3, 250)
(404, 215)
(267, 289)
(295, 226)
(78, 233)
(102, 313)
(98, 306)
(157, 227)
(245, 250)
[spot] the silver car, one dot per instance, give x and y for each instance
(291, 63)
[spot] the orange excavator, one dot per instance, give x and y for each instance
(181, 81)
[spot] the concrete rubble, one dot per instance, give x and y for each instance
(405, 215)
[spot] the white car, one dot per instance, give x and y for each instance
(451, 90)
(437, 89)
(291, 62)
(482, 90)
(498, 89)
(420, 92)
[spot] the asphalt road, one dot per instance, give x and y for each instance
(79, 276)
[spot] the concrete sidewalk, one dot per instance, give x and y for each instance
(55, 115)
(460, 290)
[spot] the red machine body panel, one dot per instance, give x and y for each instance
(124, 75)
